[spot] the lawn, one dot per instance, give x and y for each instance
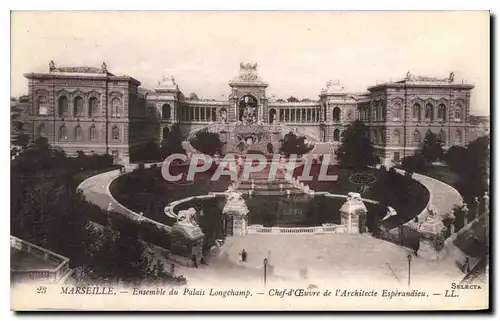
(442, 173)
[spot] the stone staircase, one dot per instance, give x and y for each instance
(259, 184)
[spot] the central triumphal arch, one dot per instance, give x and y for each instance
(244, 127)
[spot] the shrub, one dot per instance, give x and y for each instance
(455, 157)
(414, 163)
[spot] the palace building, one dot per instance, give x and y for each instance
(93, 110)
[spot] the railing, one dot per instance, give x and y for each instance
(324, 229)
(297, 230)
(39, 275)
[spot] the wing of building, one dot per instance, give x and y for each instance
(93, 110)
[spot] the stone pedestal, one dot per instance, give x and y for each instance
(187, 241)
(431, 233)
(353, 214)
(427, 249)
(234, 215)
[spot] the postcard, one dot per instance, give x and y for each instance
(250, 161)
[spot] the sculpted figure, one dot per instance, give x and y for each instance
(187, 217)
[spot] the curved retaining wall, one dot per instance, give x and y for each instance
(131, 214)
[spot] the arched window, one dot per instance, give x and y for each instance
(336, 135)
(248, 103)
(374, 136)
(63, 132)
(397, 137)
(396, 111)
(93, 133)
(165, 133)
(62, 106)
(429, 112)
(93, 106)
(42, 105)
(272, 116)
(78, 133)
(115, 133)
(441, 112)
(78, 106)
(417, 139)
(458, 137)
(416, 111)
(458, 113)
(41, 131)
(336, 114)
(115, 107)
(442, 136)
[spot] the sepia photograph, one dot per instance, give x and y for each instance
(250, 160)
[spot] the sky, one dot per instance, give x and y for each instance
(296, 52)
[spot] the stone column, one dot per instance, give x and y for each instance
(173, 111)
(260, 117)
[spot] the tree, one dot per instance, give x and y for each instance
(432, 147)
(356, 151)
(292, 144)
(415, 163)
(207, 142)
(173, 144)
(292, 99)
(455, 158)
(193, 96)
(473, 177)
(131, 264)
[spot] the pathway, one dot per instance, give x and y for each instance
(95, 190)
(442, 195)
